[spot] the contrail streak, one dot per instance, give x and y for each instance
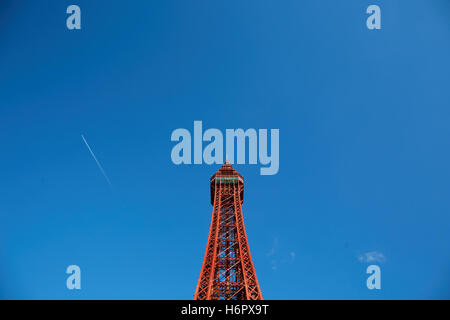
(98, 163)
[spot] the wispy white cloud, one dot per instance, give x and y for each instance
(98, 163)
(292, 254)
(372, 256)
(274, 247)
(279, 257)
(274, 265)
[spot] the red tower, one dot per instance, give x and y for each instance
(227, 271)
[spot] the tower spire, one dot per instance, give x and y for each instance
(227, 271)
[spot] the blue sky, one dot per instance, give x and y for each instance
(364, 145)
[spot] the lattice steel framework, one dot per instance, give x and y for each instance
(227, 271)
